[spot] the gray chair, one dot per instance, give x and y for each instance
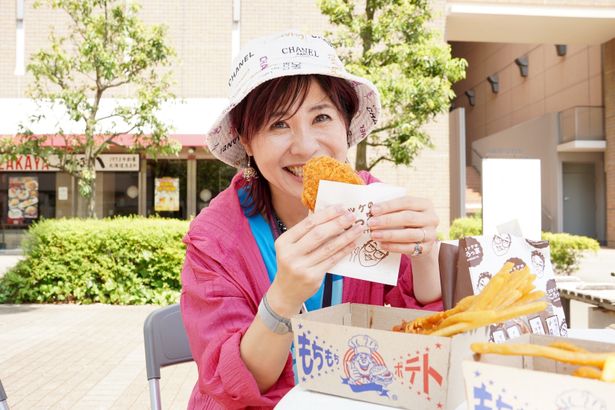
(3, 403)
(166, 344)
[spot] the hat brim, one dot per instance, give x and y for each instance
(225, 144)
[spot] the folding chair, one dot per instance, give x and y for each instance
(3, 403)
(166, 344)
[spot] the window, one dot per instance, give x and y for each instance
(27, 197)
(212, 177)
(20, 67)
(120, 193)
(166, 188)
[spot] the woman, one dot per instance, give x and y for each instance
(254, 256)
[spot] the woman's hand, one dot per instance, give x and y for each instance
(408, 225)
(306, 252)
(404, 225)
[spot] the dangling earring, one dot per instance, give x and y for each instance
(249, 173)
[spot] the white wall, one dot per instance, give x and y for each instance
(538, 138)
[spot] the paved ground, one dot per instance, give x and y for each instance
(92, 357)
(82, 357)
(8, 261)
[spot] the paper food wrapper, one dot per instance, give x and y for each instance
(367, 261)
(483, 256)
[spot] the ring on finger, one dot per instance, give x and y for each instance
(418, 249)
(424, 236)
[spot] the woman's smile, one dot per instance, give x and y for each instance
(296, 171)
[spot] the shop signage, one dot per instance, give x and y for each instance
(104, 162)
(24, 163)
(23, 199)
(117, 162)
(166, 194)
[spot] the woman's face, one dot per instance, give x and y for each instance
(282, 147)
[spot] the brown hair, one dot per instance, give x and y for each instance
(278, 96)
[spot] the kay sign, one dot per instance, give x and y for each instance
(104, 162)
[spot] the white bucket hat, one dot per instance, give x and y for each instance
(279, 55)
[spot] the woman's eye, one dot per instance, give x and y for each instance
(278, 125)
(322, 117)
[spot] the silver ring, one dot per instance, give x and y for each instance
(418, 249)
(424, 235)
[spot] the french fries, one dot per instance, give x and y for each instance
(588, 372)
(592, 365)
(608, 371)
(506, 296)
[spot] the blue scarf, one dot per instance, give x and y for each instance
(261, 230)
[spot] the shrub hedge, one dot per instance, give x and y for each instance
(566, 250)
(124, 260)
(471, 226)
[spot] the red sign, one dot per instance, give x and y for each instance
(26, 163)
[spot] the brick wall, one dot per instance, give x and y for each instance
(7, 50)
(609, 155)
(201, 31)
(552, 85)
(263, 17)
(429, 175)
(576, 3)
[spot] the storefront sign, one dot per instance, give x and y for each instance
(63, 193)
(117, 162)
(24, 163)
(166, 194)
(23, 199)
(104, 162)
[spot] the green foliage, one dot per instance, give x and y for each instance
(567, 250)
(107, 48)
(470, 226)
(390, 43)
(126, 260)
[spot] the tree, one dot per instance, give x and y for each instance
(390, 43)
(106, 48)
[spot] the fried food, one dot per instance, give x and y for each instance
(328, 169)
(567, 346)
(592, 365)
(508, 295)
(588, 372)
(554, 353)
(608, 371)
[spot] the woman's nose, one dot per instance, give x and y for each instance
(304, 142)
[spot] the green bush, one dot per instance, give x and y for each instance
(470, 226)
(125, 260)
(567, 250)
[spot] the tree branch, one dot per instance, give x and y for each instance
(113, 85)
(385, 128)
(382, 158)
(110, 139)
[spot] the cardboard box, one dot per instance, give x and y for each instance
(515, 382)
(350, 350)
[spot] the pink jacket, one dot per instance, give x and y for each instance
(223, 281)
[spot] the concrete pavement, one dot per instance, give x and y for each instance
(82, 357)
(7, 262)
(92, 357)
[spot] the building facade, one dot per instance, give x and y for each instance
(540, 85)
(577, 87)
(205, 35)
